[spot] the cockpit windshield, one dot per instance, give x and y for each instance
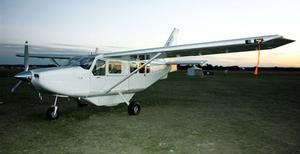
(84, 62)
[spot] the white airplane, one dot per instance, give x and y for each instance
(111, 78)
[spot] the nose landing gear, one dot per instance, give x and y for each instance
(53, 112)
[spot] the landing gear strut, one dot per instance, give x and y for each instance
(134, 108)
(53, 112)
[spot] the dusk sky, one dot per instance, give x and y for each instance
(121, 25)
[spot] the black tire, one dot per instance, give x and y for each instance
(81, 103)
(134, 108)
(50, 113)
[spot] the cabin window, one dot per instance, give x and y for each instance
(84, 62)
(133, 66)
(133, 57)
(99, 68)
(142, 70)
(142, 57)
(148, 68)
(115, 67)
(147, 57)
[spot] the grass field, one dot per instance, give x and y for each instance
(237, 113)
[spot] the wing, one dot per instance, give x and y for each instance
(53, 55)
(38, 51)
(207, 48)
(185, 61)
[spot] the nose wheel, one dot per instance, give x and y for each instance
(53, 112)
(134, 108)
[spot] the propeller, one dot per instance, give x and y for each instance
(16, 86)
(25, 74)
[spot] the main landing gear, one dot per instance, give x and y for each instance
(53, 112)
(134, 108)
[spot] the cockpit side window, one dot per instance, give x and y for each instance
(85, 62)
(99, 68)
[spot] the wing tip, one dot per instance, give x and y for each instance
(286, 39)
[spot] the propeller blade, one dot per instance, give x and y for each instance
(26, 56)
(15, 87)
(36, 91)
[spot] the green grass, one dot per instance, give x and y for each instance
(237, 113)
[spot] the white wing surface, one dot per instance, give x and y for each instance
(207, 48)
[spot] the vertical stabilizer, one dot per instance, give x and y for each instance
(172, 39)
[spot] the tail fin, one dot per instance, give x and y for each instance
(172, 38)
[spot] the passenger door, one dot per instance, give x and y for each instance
(116, 71)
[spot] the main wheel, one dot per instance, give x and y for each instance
(51, 115)
(134, 108)
(81, 103)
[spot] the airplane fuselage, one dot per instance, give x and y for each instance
(92, 82)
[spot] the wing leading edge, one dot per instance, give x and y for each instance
(207, 48)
